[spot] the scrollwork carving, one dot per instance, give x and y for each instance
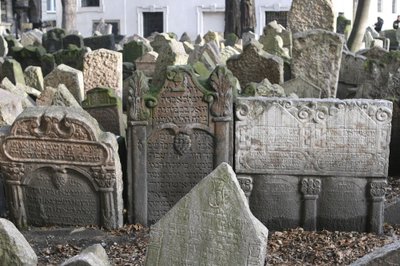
(104, 176)
(222, 84)
(138, 87)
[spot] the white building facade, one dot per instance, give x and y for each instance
(191, 16)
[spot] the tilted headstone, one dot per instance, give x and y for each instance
(185, 38)
(135, 49)
(12, 70)
(70, 77)
(208, 55)
(34, 77)
(10, 107)
(276, 40)
(26, 100)
(29, 55)
(71, 56)
(59, 96)
(100, 42)
(309, 15)
(106, 108)
(175, 137)
(61, 169)
(103, 68)
(212, 36)
(73, 39)
(15, 250)
(212, 224)
(52, 40)
(147, 63)
(317, 55)
(254, 65)
(227, 53)
(302, 88)
(94, 255)
(315, 163)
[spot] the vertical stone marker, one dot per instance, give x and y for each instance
(316, 163)
(61, 169)
(176, 135)
(211, 225)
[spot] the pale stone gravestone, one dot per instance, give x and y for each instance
(70, 77)
(302, 88)
(276, 40)
(103, 68)
(33, 37)
(26, 100)
(135, 49)
(315, 163)
(248, 37)
(59, 96)
(317, 55)
(185, 38)
(34, 77)
(94, 255)
(12, 70)
(160, 40)
(206, 57)
(175, 137)
(147, 63)
(10, 107)
(61, 169)
(211, 225)
(106, 108)
(254, 65)
(309, 15)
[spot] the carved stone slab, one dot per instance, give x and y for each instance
(310, 136)
(61, 169)
(211, 224)
(179, 139)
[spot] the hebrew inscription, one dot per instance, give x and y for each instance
(317, 137)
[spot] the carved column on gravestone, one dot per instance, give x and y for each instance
(246, 184)
(377, 194)
(105, 179)
(137, 146)
(13, 173)
(310, 187)
(221, 81)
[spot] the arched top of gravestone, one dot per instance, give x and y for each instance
(101, 97)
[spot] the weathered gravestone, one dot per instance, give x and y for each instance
(316, 163)
(34, 77)
(106, 108)
(61, 169)
(59, 96)
(316, 55)
(211, 225)
(302, 88)
(147, 63)
(29, 55)
(73, 39)
(176, 136)
(100, 42)
(353, 72)
(52, 40)
(307, 15)
(103, 68)
(254, 65)
(276, 40)
(135, 49)
(71, 56)
(12, 70)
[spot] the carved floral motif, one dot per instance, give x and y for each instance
(220, 81)
(104, 176)
(13, 171)
(378, 189)
(311, 186)
(138, 87)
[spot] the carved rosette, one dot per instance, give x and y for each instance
(138, 87)
(377, 189)
(222, 84)
(311, 186)
(104, 176)
(13, 171)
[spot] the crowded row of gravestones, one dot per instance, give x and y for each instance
(306, 155)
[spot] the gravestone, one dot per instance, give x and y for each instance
(61, 169)
(59, 96)
(208, 56)
(10, 107)
(70, 77)
(94, 255)
(26, 100)
(316, 55)
(160, 40)
(29, 55)
(309, 15)
(135, 49)
(71, 56)
(212, 224)
(352, 73)
(264, 88)
(248, 37)
(52, 40)
(175, 137)
(73, 39)
(147, 63)
(103, 68)
(276, 40)
(185, 38)
(106, 108)
(315, 163)
(100, 42)
(302, 88)
(34, 77)
(12, 70)
(48, 64)
(254, 65)
(32, 37)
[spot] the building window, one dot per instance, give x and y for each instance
(379, 5)
(280, 16)
(394, 6)
(51, 5)
(114, 23)
(90, 3)
(152, 22)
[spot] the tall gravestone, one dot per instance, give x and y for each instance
(212, 224)
(316, 163)
(61, 169)
(176, 136)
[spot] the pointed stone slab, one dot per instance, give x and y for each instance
(212, 224)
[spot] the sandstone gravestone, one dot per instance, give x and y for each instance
(61, 169)
(10, 107)
(315, 163)
(254, 65)
(106, 108)
(309, 15)
(59, 96)
(34, 77)
(103, 68)
(147, 63)
(70, 77)
(212, 224)
(317, 55)
(302, 88)
(175, 137)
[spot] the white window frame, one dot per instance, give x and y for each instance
(98, 9)
(271, 8)
(200, 15)
(53, 6)
(152, 8)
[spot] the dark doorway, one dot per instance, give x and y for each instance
(280, 17)
(152, 22)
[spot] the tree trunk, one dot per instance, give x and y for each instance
(360, 24)
(248, 16)
(232, 17)
(68, 15)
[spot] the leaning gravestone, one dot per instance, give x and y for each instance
(302, 88)
(73, 39)
(176, 136)
(316, 55)
(309, 15)
(106, 108)
(103, 68)
(147, 63)
(61, 169)
(135, 49)
(34, 77)
(212, 224)
(12, 70)
(316, 163)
